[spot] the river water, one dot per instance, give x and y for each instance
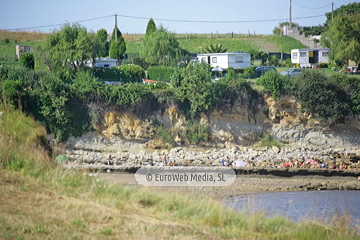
(315, 205)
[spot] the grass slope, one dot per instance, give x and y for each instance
(39, 200)
(190, 42)
(286, 43)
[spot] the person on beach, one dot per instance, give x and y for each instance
(109, 160)
(165, 163)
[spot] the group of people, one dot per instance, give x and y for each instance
(311, 163)
(164, 161)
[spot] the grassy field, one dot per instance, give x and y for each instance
(190, 42)
(39, 200)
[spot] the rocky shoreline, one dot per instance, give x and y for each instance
(265, 170)
(94, 150)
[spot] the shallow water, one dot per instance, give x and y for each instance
(315, 205)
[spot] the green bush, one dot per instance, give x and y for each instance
(273, 61)
(102, 73)
(11, 92)
(161, 73)
(140, 62)
(27, 60)
(197, 132)
(163, 134)
(133, 71)
(267, 140)
(128, 94)
(6, 40)
(323, 65)
(288, 62)
(322, 97)
(276, 31)
(249, 72)
(274, 83)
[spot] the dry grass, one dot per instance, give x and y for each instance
(23, 36)
(40, 201)
(31, 211)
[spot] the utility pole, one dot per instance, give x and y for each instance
(290, 27)
(332, 11)
(115, 28)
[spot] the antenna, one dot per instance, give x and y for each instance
(290, 15)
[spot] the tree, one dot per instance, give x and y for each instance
(215, 48)
(151, 27)
(27, 60)
(194, 86)
(343, 38)
(68, 50)
(344, 9)
(161, 48)
(103, 38)
(117, 47)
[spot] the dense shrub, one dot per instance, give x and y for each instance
(229, 90)
(6, 40)
(274, 83)
(322, 97)
(288, 62)
(126, 94)
(197, 132)
(164, 134)
(132, 71)
(116, 74)
(249, 72)
(161, 73)
(102, 73)
(194, 87)
(27, 60)
(323, 65)
(11, 92)
(273, 61)
(140, 62)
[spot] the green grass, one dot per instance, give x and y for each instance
(267, 141)
(286, 43)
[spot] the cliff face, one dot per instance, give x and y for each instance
(283, 119)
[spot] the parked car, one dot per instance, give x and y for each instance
(292, 72)
(261, 70)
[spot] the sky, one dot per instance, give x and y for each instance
(196, 16)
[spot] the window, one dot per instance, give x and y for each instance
(295, 55)
(106, 65)
(303, 54)
(324, 54)
(214, 59)
(239, 59)
(203, 59)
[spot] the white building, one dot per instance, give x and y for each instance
(226, 60)
(309, 57)
(104, 62)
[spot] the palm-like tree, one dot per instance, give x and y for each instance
(215, 48)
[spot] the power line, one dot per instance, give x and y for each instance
(54, 25)
(101, 22)
(237, 21)
(161, 19)
(311, 7)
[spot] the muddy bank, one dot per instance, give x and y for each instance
(280, 172)
(247, 184)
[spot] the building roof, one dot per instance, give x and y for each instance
(230, 53)
(312, 49)
(107, 59)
